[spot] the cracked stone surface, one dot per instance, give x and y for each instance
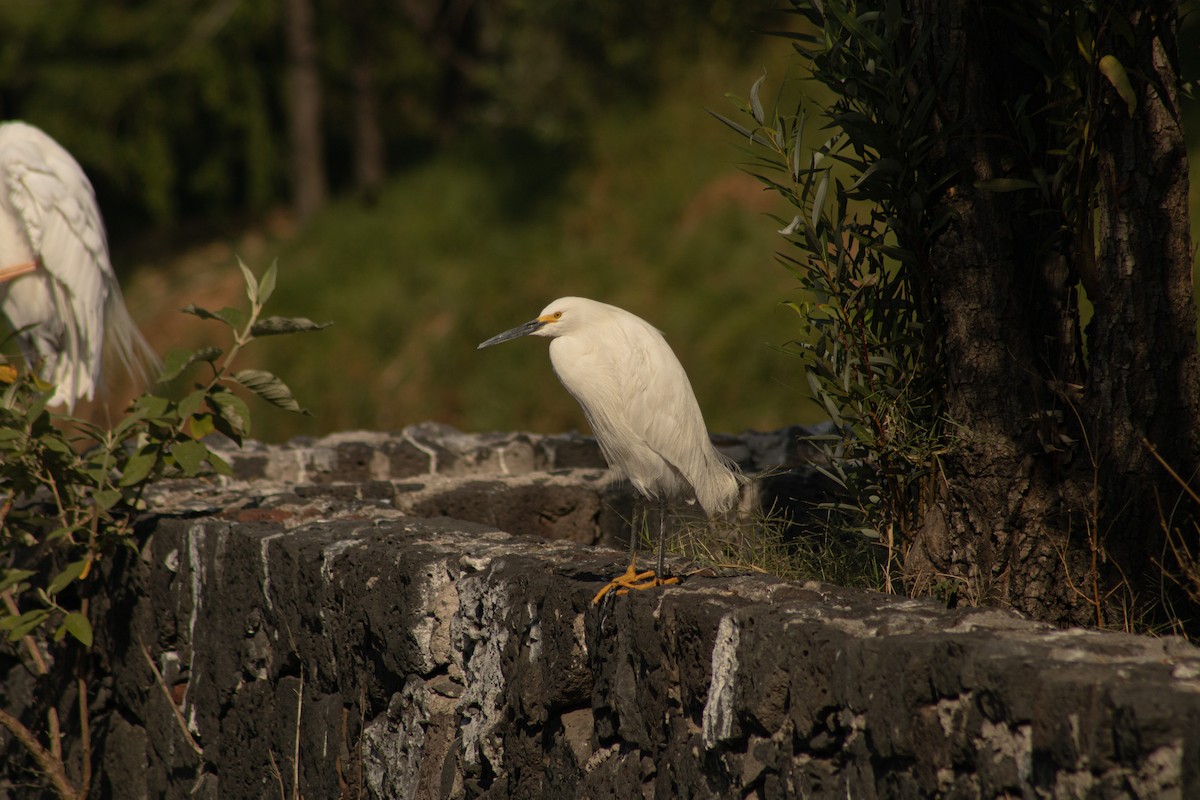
(410, 614)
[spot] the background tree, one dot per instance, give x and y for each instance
(1024, 167)
(304, 109)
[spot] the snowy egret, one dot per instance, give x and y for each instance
(641, 407)
(57, 287)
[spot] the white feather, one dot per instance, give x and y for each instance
(49, 217)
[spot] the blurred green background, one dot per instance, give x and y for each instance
(523, 150)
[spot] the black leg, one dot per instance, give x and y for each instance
(662, 536)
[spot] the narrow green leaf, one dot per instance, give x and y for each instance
(63, 579)
(14, 576)
(20, 625)
(743, 130)
(819, 199)
(60, 533)
(269, 388)
(1112, 69)
(275, 326)
(266, 287)
(233, 317)
(250, 281)
(756, 107)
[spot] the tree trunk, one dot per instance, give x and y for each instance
(304, 110)
(369, 166)
(1049, 487)
(1144, 384)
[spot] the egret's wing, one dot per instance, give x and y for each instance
(663, 409)
(58, 213)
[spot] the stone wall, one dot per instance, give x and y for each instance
(355, 614)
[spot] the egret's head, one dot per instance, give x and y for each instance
(553, 321)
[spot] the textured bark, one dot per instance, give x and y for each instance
(1144, 376)
(1050, 478)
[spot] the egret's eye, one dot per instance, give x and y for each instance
(556, 316)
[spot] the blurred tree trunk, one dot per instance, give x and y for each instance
(304, 109)
(451, 29)
(1051, 504)
(369, 164)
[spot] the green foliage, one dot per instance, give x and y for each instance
(178, 111)
(70, 490)
(654, 219)
(869, 320)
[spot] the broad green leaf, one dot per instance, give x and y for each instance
(176, 361)
(191, 404)
(78, 626)
(38, 406)
(56, 444)
(179, 359)
(138, 467)
(275, 326)
(106, 498)
(219, 464)
(70, 573)
(201, 426)
(150, 406)
(233, 410)
(269, 388)
(189, 455)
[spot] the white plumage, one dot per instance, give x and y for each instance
(55, 274)
(638, 401)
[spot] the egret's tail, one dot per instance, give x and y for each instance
(124, 341)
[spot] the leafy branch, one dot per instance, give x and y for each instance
(70, 491)
(868, 320)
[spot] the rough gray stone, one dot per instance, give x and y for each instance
(347, 632)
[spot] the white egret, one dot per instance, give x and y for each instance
(57, 287)
(641, 407)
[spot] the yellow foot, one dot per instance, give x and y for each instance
(632, 579)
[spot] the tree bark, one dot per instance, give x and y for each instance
(1144, 380)
(1048, 501)
(304, 110)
